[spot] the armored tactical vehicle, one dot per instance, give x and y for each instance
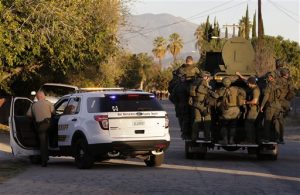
(237, 56)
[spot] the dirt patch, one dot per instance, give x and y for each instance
(11, 168)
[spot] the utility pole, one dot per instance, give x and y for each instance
(233, 28)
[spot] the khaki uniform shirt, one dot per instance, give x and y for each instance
(41, 110)
(255, 94)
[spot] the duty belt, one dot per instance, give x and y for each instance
(46, 120)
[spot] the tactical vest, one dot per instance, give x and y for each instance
(199, 94)
(230, 97)
(190, 71)
(287, 89)
(275, 94)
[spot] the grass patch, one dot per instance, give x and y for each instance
(11, 168)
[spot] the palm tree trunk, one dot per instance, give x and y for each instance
(160, 62)
(142, 84)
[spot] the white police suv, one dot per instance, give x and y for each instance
(96, 126)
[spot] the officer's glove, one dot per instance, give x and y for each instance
(213, 94)
(191, 101)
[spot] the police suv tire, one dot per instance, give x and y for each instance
(35, 159)
(155, 160)
(83, 158)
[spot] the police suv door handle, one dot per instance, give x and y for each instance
(74, 119)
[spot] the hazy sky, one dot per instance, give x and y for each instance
(280, 17)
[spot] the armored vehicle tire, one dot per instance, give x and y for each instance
(83, 158)
(252, 150)
(271, 155)
(230, 148)
(200, 152)
(154, 160)
(35, 159)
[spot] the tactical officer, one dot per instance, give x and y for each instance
(252, 103)
(200, 93)
(230, 111)
(279, 67)
(287, 94)
(180, 96)
(179, 93)
(271, 107)
(41, 111)
(188, 69)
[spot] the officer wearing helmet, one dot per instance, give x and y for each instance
(279, 67)
(200, 93)
(252, 102)
(287, 94)
(179, 87)
(229, 111)
(271, 107)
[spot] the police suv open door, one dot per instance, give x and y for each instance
(23, 139)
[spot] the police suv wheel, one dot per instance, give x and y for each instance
(83, 158)
(154, 160)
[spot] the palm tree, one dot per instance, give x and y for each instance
(200, 36)
(244, 26)
(160, 48)
(175, 45)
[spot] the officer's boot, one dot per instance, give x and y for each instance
(195, 131)
(232, 136)
(252, 135)
(207, 136)
(224, 136)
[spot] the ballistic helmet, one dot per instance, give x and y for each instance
(271, 74)
(279, 63)
(205, 73)
(284, 72)
(226, 81)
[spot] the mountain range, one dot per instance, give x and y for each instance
(140, 31)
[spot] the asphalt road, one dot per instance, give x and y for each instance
(220, 173)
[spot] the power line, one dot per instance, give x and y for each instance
(289, 11)
(283, 11)
(191, 17)
(184, 20)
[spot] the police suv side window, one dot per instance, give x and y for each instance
(73, 106)
(60, 106)
(93, 104)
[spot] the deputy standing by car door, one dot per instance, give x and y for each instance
(41, 111)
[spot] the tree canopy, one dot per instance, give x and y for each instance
(57, 37)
